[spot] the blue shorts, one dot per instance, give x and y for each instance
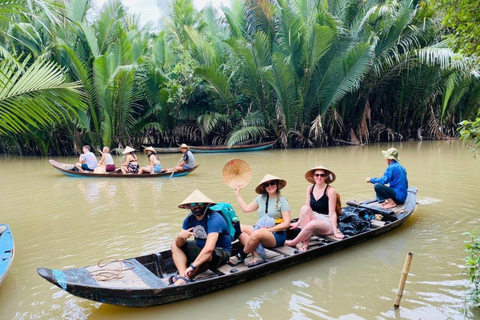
(157, 168)
(185, 167)
(280, 237)
(85, 167)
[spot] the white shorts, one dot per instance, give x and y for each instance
(324, 217)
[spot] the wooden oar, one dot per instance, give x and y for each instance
(174, 169)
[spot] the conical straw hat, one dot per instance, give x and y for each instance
(237, 173)
(330, 175)
(195, 197)
(268, 177)
(128, 150)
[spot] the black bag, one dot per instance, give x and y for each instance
(354, 220)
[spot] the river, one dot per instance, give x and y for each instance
(59, 221)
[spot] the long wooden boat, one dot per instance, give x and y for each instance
(235, 148)
(7, 251)
(167, 150)
(144, 280)
(66, 169)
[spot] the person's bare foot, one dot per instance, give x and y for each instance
(289, 243)
(384, 203)
(302, 246)
(390, 205)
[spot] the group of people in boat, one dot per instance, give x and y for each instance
(87, 161)
(212, 244)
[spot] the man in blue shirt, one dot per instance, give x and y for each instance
(212, 245)
(396, 177)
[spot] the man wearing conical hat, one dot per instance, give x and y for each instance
(211, 246)
(396, 178)
(188, 160)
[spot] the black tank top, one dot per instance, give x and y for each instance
(320, 205)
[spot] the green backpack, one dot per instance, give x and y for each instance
(228, 213)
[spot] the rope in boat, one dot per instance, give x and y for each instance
(105, 274)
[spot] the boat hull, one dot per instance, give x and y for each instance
(235, 148)
(66, 170)
(154, 269)
(7, 251)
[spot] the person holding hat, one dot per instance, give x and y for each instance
(188, 160)
(212, 245)
(131, 162)
(396, 178)
(274, 218)
(87, 160)
(155, 166)
(318, 215)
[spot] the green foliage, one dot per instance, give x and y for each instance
(470, 133)
(473, 265)
(34, 95)
(463, 21)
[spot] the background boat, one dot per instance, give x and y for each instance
(235, 148)
(7, 251)
(143, 281)
(66, 169)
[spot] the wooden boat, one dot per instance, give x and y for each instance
(66, 169)
(144, 280)
(235, 148)
(7, 251)
(167, 150)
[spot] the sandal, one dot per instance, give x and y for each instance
(235, 260)
(173, 279)
(255, 263)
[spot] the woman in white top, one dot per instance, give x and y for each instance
(107, 160)
(155, 166)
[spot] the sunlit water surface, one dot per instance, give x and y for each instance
(61, 222)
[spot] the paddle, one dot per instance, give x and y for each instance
(174, 169)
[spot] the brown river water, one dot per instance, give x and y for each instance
(63, 222)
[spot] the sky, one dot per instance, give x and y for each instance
(150, 11)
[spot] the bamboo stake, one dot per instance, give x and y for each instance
(403, 279)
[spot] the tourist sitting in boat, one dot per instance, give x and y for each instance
(212, 245)
(396, 177)
(87, 160)
(274, 218)
(131, 162)
(106, 161)
(155, 166)
(318, 215)
(188, 160)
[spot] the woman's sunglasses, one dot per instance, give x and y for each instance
(196, 204)
(323, 175)
(268, 184)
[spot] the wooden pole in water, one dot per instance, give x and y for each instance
(403, 279)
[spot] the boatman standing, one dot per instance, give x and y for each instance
(212, 245)
(396, 177)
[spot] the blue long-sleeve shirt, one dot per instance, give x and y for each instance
(396, 177)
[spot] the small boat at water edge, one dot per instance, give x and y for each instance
(234, 148)
(66, 169)
(167, 150)
(143, 281)
(7, 251)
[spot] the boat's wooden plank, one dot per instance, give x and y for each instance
(286, 250)
(377, 223)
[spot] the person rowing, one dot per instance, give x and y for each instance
(187, 161)
(396, 178)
